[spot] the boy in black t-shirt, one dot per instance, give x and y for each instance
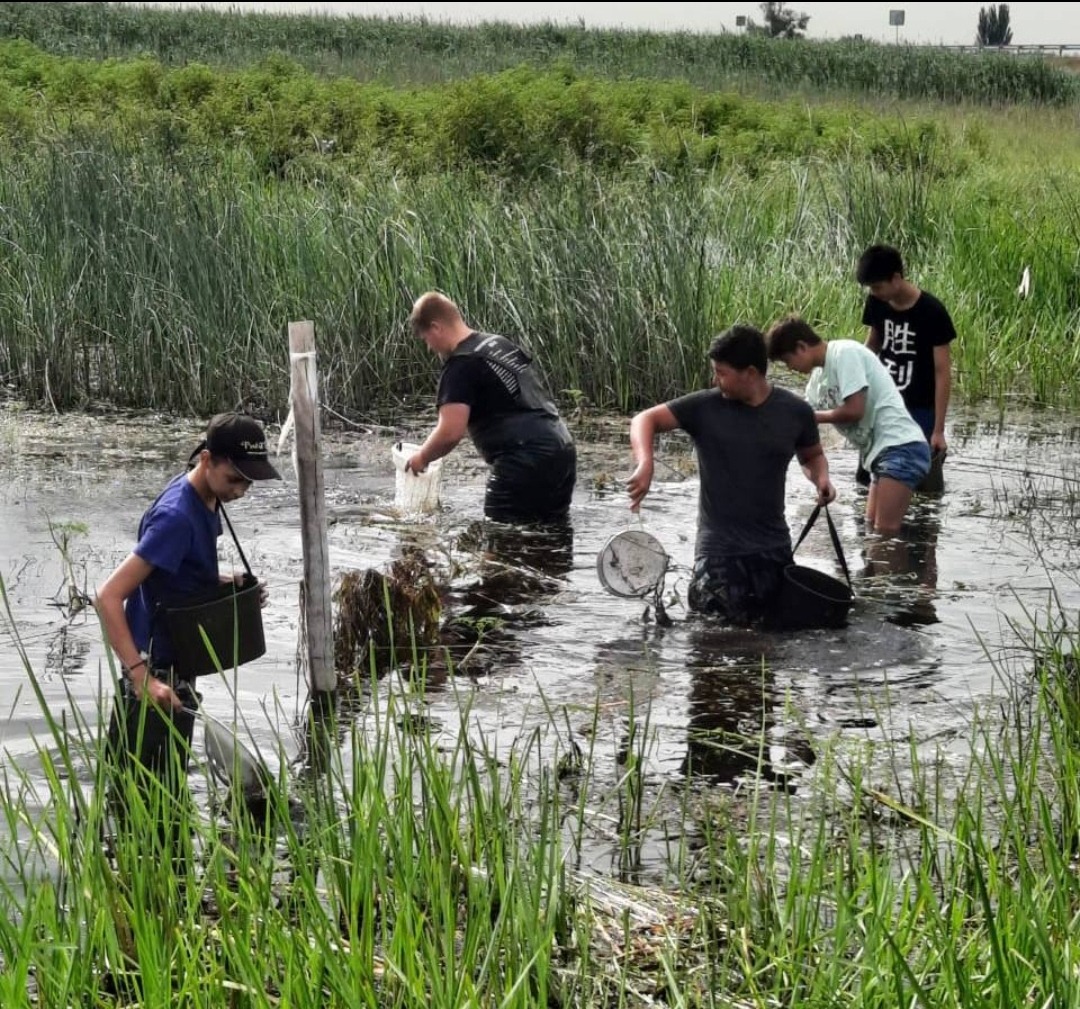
(490, 390)
(745, 432)
(910, 330)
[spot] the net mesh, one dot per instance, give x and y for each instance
(632, 563)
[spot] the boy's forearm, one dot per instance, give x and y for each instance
(642, 436)
(942, 393)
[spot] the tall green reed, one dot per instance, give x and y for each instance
(427, 868)
(403, 873)
(134, 281)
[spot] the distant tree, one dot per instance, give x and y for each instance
(994, 26)
(780, 22)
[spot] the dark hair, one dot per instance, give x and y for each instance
(786, 333)
(742, 347)
(879, 262)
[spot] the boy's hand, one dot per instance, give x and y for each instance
(639, 483)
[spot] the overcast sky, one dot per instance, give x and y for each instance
(951, 23)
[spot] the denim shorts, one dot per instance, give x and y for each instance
(907, 464)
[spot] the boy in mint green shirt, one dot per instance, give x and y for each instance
(850, 387)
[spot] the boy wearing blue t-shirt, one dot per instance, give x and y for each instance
(849, 387)
(175, 559)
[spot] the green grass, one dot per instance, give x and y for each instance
(429, 869)
(162, 225)
(404, 51)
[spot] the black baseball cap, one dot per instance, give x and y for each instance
(241, 440)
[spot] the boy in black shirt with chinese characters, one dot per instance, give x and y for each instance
(910, 331)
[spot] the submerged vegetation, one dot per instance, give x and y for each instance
(378, 614)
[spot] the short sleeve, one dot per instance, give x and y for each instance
(165, 540)
(869, 312)
(459, 381)
(944, 331)
(850, 372)
(687, 410)
(808, 433)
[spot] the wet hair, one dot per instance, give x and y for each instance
(785, 334)
(879, 262)
(741, 347)
(431, 308)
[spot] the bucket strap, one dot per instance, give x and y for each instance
(221, 508)
(240, 549)
(835, 541)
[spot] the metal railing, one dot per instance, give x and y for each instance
(1058, 49)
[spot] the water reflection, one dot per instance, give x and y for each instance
(534, 619)
(67, 653)
(736, 726)
(902, 571)
(516, 564)
(504, 576)
(629, 687)
(627, 669)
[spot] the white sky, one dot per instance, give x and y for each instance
(950, 23)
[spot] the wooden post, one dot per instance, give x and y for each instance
(322, 678)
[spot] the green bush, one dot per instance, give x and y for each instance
(519, 122)
(419, 51)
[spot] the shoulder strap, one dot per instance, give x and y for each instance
(240, 549)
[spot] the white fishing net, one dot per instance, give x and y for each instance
(632, 564)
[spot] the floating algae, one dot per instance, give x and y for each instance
(385, 618)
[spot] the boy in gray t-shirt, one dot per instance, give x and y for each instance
(849, 387)
(745, 432)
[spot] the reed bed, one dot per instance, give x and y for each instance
(162, 226)
(414, 865)
(401, 50)
(138, 281)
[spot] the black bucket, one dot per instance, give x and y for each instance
(810, 598)
(232, 621)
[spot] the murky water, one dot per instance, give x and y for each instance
(931, 620)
